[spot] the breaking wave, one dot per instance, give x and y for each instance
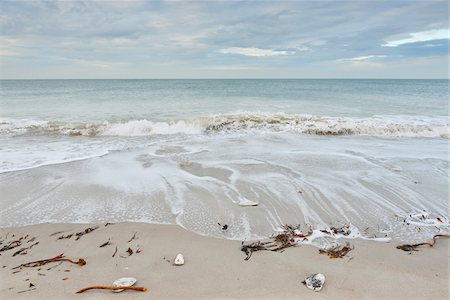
(395, 126)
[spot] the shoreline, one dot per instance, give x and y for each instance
(214, 268)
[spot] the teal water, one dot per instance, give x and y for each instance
(162, 100)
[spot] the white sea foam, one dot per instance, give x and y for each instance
(395, 126)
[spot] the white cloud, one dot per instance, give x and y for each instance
(362, 58)
(422, 36)
(255, 52)
(233, 67)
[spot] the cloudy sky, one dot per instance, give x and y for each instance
(211, 39)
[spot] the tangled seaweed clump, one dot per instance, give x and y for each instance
(289, 237)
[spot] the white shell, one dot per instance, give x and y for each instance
(179, 260)
(315, 282)
(248, 203)
(126, 281)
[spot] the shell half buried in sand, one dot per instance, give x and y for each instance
(126, 281)
(248, 203)
(315, 282)
(179, 260)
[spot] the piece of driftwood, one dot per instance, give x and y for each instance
(61, 258)
(21, 251)
(101, 287)
(411, 248)
(338, 251)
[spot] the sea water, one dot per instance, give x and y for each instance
(368, 153)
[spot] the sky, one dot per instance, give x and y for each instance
(232, 39)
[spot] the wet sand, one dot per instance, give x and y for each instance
(214, 268)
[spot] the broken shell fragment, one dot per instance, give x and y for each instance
(315, 282)
(126, 281)
(179, 260)
(248, 203)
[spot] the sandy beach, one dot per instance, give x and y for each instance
(214, 268)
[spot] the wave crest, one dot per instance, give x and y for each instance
(396, 126)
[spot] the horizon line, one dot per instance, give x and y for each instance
(228, 78)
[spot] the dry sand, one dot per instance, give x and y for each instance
(214, 268)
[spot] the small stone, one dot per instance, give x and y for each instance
(179, 260)
(315, 282)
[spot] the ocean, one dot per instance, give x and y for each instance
(371, 154)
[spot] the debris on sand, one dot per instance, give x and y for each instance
(411, 248)
(118, 286)
(86, 231)
(113, 288)
(61, 258)
(315, 282)
(23, 251)
(287, 238)
(115, 252)
(129, 251)
(78, 234)
(337, 251)
(14, 244)
(105, 244)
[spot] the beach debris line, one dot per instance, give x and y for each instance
(86, 231)
(337, 251)
(179, 260)
(287, 238)
(411, 248)
(315, 282)
(78, 234)
(14, 244)
(118, 286)
(23, 251)
(59, 258)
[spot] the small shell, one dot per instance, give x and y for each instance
(179, 260)
(126, 281)
(248, 203)
(315, 282)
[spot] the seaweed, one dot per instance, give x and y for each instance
(412, 247)
(22, 251)
(285, 239)
(338, 251)
(61, 258)
(101, 287)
